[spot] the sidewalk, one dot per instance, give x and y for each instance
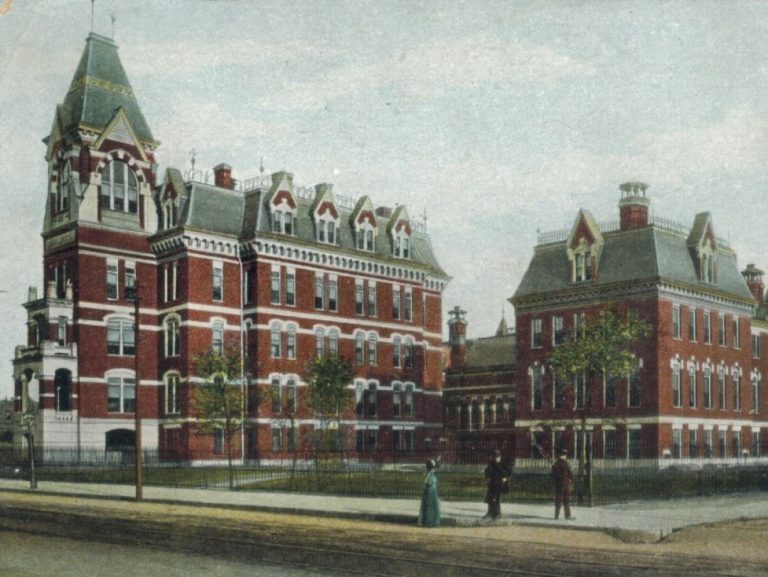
(639, 520)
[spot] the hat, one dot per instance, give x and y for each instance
(497, 452)
(563, 452)
(430, 463)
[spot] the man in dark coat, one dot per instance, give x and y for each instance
(497, 479)
(563, 478)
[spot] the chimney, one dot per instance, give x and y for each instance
(384, 212)
(457, 337)
(754, 278)
(633, 206)
(222, 174)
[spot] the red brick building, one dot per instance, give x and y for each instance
(278, 271)
(699, 392)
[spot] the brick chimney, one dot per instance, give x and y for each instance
(633, 206)
(457, 337)
(222, 176)
(754, 278)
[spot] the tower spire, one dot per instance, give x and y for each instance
(93, 2)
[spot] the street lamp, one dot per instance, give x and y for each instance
(28, 427)
(132, 294)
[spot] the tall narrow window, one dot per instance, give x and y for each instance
(130, 279)
(691, 385)
(558, 390)
(707, 328)
(676, 443)
(288, 223)
(63, 387)
(691, 324)
(358, 296)
(112, 280)
(359, 400)
(736, 333)
(755, 393)
(290, 342)
(172, 405)
(558, 332)
(333, 343)
(396, 352)
(217, 340)
(707, 387)
(536, 333)
(292, 396)
(708, 444)
(62, 186)
(408, 312)
(277, 399)
(172, 337)
(371, 298)
(693, 443)
(275, 338)
(675, 322)
(634, 388)
(319, 291)
(319, 342)
(396, 400)
(677, 400)
(217, 281)
(359, 339)
(721, 329)
(371, 400)
(396, 302)
(721, 394)
(372, 342)
(755, 346)
(408, 400)
(61, 331)
(333, 294)
(736, 372)
(609, 398)
(274, 287)
(290, 287)
(581, 391)
(722, 444)
(537, 390)
(408, 353)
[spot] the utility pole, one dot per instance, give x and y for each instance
(134, 294)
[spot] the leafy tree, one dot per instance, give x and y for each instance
(327, 378)
(600, 349)
(219, 402)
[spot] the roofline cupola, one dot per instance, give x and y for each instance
(633, 206)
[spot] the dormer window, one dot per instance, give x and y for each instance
(402, 247)
(583, 262)
(170, 214)
(326, 229)
(707, 264)
(283, 220)
(119, 188)
(364, 236)
(62, 186)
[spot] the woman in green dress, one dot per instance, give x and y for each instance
(429, 515)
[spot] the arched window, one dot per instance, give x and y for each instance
(290, 342)
(275, 339)
(583, 261)
(326, 228)
(333, 343)
(63, 386)
(677, 396)
(408, 352)
(119, 187)
(397, 404)
(402, 248)
(283, 219)
(120, 337)
(364, 236)
(372, 349)
(292, 399)
(171, 337)
(408, 400)
(121, 394)
(359, 339)
(319, 341)
(396, 341)
(172, 405)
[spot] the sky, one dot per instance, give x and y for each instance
(493, 119)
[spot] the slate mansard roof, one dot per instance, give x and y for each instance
(245, 216)
(650, 253)
(98, 89)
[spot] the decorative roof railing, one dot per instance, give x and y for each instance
(659, 222)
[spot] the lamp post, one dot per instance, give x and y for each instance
(27, 421)
(132, 294)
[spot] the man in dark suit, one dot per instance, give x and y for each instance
(563, 478)
(497, 479)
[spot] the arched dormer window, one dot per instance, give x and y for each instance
(365, 237)
(707, 263)
(402, 248)
(583, 262)
(584, 247)
(327, 228)
(119, 188)
(170, 214)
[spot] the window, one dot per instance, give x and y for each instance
(609, 443)
(367, 441)
(408, 400)
(359, 337)
(121, 394)
(609, 395)
(277, 396)
(633, 440)
(333, 294)
(396, 400)
(402, 440)
(359, 296)
(282, 220)
(292, 397)
(692, 325)
(277, 439)
(558, 332)
(319, 292)
(736, 333)
(536, 338)
(170, 278)
(62, 186)
(736, 372)
(693, 443)
(359, 400)
(372, 349)
(119, 187)
(290, 288)
(707, 387)
(170, 217)
(120, 337)
(292, 434)
(408, 353)
(707, 328)
(721, 330)
(559, 391)
(364, 237)
(290, 342)
(755, 452)
(676, 442)
(675, 322)
(172, 337)
(112, 280)
(677, 400)
(326, 229)
(634, 388)
(402, 244)
(63, 387)
(61, 331)
(755, 392)
(537, 390)
(735, 443)
(583, 262)
(274, 287)
(172, 405)
(408, 312)
(755, 346)
(396, 302)
(217, 337)
(371, 400)
(475, 415)
(275, 341)
(722, 449)
(371, 299)
(319, 342)
(721, 387)
(396, 352)
(691, 385)
(499, 411)
(130, 279)
(333, 343)
(217, 280)
(581, 391)
(708, 444)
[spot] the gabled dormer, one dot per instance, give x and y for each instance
(584, 247)
(170, 199)
(400, 232)
(702, 246)
(364, 225)
(325, 215)
(282, 204)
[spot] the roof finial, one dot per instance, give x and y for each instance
(261, 165)
(192, 159)
(114, 18)
(93, 2)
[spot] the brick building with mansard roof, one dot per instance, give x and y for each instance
(699, 392)
(281, 272)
